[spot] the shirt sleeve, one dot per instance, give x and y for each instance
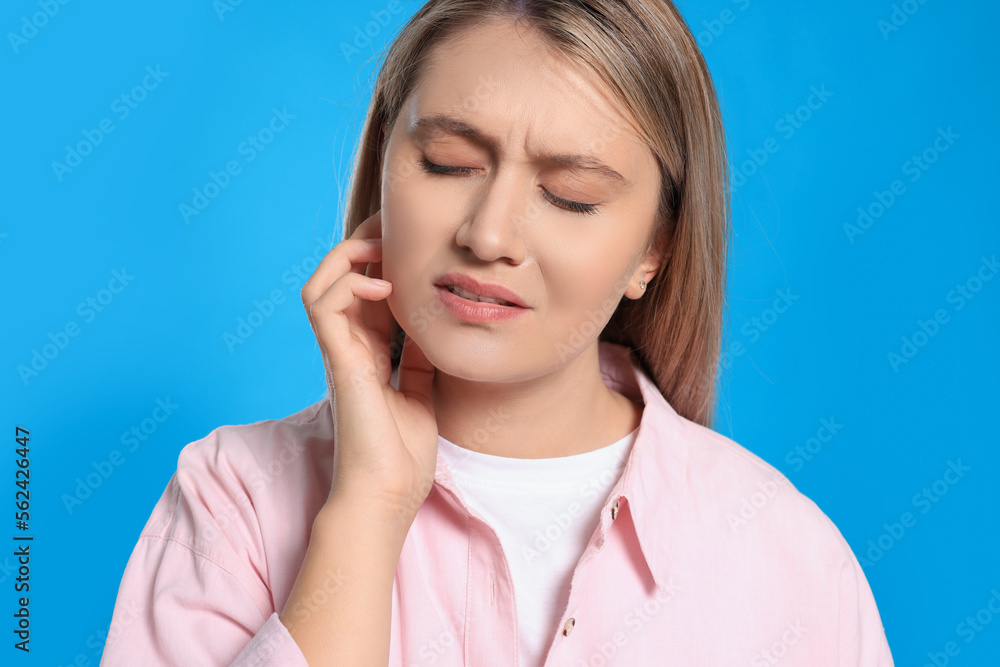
(862, 637)
(194, 591)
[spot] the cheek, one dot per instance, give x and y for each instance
(404, 230)
(582, 275)
(584, 291)
(411, 238)
(410, 293)
(406, 260)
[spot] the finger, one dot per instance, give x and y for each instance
(332, 264)
(346, 257)
(371, 230)
(332, 313)
(376, 314)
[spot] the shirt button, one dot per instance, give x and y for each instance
(568, 628)
(614, 510)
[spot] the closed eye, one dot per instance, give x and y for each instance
(576, 207)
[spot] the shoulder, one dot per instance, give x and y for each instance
(262, 452)
(756, 502)
(774, 542)
(237, 482)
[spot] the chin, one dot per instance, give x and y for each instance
(467, 356)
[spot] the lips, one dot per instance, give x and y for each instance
(467, 287)
(465, 294)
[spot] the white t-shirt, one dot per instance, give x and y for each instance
(544, 512)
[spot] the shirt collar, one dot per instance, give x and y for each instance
(653, 483)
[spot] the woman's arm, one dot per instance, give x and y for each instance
(339, 609)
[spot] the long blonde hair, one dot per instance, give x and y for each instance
(647, 56)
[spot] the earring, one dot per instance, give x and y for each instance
(642, 284)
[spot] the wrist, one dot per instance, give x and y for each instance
(395, 505)
(366, 514)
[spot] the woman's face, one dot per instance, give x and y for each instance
(528, 142)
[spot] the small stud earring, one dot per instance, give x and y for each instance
(642, 284)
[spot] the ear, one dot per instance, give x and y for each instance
(656, 258)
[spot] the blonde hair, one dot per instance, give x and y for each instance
(646, 55)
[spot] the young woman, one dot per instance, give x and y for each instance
(514, 465)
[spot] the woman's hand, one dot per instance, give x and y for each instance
(386, 440)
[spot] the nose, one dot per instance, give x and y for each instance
(498, 216)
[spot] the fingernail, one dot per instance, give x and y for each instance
(381, 282)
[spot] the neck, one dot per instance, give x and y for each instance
(568, 411)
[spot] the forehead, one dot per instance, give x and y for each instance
(509, 83)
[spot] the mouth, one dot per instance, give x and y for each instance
(478, 290)
(471, 296)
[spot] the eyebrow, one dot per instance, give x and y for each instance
(450, 124)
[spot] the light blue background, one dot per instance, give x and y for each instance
(825, 357)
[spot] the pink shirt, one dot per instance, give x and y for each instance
(704, 555)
